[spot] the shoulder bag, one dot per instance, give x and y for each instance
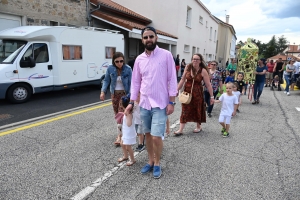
(185, 97)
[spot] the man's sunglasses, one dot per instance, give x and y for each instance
(148, 36)
(119, 61)
(213, 64)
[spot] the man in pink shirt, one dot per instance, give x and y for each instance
(154, 77)
(269, 74)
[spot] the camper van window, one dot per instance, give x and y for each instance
(72, 52)
(10, 49)
(109, 52)
(38, 51)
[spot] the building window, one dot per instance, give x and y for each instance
(186, 48)
(215, 36)
(53, 23)
(206, 24)
(198, 50)
(188, 17)
(72, 52)
(201, 19)
(210, 33)
(204, 52)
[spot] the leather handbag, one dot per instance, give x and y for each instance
(185, 97)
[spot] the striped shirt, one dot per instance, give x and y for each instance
(154, 76)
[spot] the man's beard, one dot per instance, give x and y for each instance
(150, 47)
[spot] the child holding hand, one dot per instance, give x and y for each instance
(129, 134)
(237, 94)
(229, 107)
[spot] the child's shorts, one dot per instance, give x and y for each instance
(139, 128)
(225, 118)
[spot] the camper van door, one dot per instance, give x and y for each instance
(40, 72)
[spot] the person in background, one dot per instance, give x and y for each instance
(154, 77)
(290, 68)
(237, 93)
(260, 72)
(241, 87)
(278, 70)
(230, 78)
(182, 66)
(177, 62)
(217, 85)
(296, 74)
(139, 126)
(232, 66)
(118, 78)
(131, 62)
(269, 74)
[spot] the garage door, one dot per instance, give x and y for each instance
(9, 21)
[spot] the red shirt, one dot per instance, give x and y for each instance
(270, 67)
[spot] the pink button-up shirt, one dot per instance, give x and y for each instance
(154, 76)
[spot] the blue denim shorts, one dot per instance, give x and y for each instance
(154, 121)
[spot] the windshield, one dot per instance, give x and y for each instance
(9, 50)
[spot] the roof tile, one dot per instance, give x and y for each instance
(126, 23)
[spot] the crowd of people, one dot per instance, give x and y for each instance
(143, 95)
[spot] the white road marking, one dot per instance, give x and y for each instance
(86, 192)
(297, 108)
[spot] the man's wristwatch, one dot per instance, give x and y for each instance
(132, 103)
(172, 103)
(212, 97)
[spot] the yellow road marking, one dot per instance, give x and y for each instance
(52, 119)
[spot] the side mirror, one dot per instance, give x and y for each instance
(27, 62)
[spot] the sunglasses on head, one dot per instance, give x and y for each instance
(148, 36)
(119, 61)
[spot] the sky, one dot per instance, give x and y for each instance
(260, 19)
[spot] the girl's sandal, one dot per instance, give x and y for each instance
(118, 141)
(122, 159)
(130, 163)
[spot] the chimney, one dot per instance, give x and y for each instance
(227, 19)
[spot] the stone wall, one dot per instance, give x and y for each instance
(41, 12)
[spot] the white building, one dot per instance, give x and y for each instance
(185, 27)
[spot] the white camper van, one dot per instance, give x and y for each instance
(36, 59)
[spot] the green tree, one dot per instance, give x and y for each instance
(282, 44)
(272, 48)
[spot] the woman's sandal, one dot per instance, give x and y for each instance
(122, 159)
(130, 163)
(177, 134)
(197, 130)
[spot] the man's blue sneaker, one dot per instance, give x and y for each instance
(156, 171)
(147, 168)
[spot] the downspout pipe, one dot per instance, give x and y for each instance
(89, 11)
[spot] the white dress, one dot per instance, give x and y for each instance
(128, 133)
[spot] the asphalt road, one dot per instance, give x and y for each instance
(74, 155)
(46, 103)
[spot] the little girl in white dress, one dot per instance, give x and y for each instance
(128, 134)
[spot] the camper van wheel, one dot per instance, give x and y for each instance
(19, 93)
